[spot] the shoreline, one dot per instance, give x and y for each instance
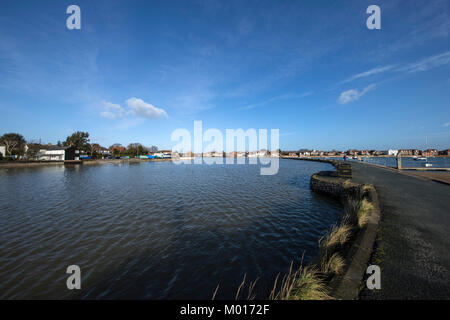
(29, 164)
(357, 252)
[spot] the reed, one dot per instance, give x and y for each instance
(304, 284)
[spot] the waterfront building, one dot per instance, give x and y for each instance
(405, 152)
(55, 153)
(392, 152)
(3, 151)
(430, 153)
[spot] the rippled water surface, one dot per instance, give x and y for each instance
(156, 230)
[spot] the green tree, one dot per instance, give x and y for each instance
(13, 142)
(135, 149)
(78, 139)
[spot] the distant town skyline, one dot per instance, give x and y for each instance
(138, 70)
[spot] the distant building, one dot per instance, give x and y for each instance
(3, 151)
(104, 151)
(392, 152)
(405, 152)
(444, 152)
(166, 153)
(117, 149)
(430, 153)
(55, 153)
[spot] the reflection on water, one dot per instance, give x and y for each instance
(156, 230)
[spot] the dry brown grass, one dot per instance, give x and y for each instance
(333, 264)
(363, 213)
(251, 287)
(304, 284)
(336, 239)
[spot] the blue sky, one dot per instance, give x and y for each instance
(137, 70)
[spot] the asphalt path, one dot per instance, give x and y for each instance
(413, 242)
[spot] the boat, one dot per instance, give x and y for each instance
(420, 159)
(428, 164)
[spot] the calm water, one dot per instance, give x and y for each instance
(156, 230)
(407, 162)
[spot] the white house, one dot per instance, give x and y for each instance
(274, 154)
(3, 151)
(392, 152)
(56, 153)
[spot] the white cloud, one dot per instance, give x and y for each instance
(112, 111)
(145, 110)
(353, 94)
(136, 107)
(277, 98)
(427, 63)
(422, 65)
(368, 73)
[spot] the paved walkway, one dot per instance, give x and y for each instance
(440, 176)
(413, 245)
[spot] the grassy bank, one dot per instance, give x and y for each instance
(314, 282)
(320, 280)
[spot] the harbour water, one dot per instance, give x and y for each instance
(156, 230)
(407, 162)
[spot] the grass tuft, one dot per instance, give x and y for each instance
(303, 284)
(336, 239)
(333, 264)
(363, 213)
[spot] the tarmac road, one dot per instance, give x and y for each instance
(413, 242)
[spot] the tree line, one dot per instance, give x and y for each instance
(16, 145)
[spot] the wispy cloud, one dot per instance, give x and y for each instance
(277, 98)
(353, 94)
(424, 64)
(427, 63)
(112, 111)
(136, 107)
(368, 73)
(447, 124)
